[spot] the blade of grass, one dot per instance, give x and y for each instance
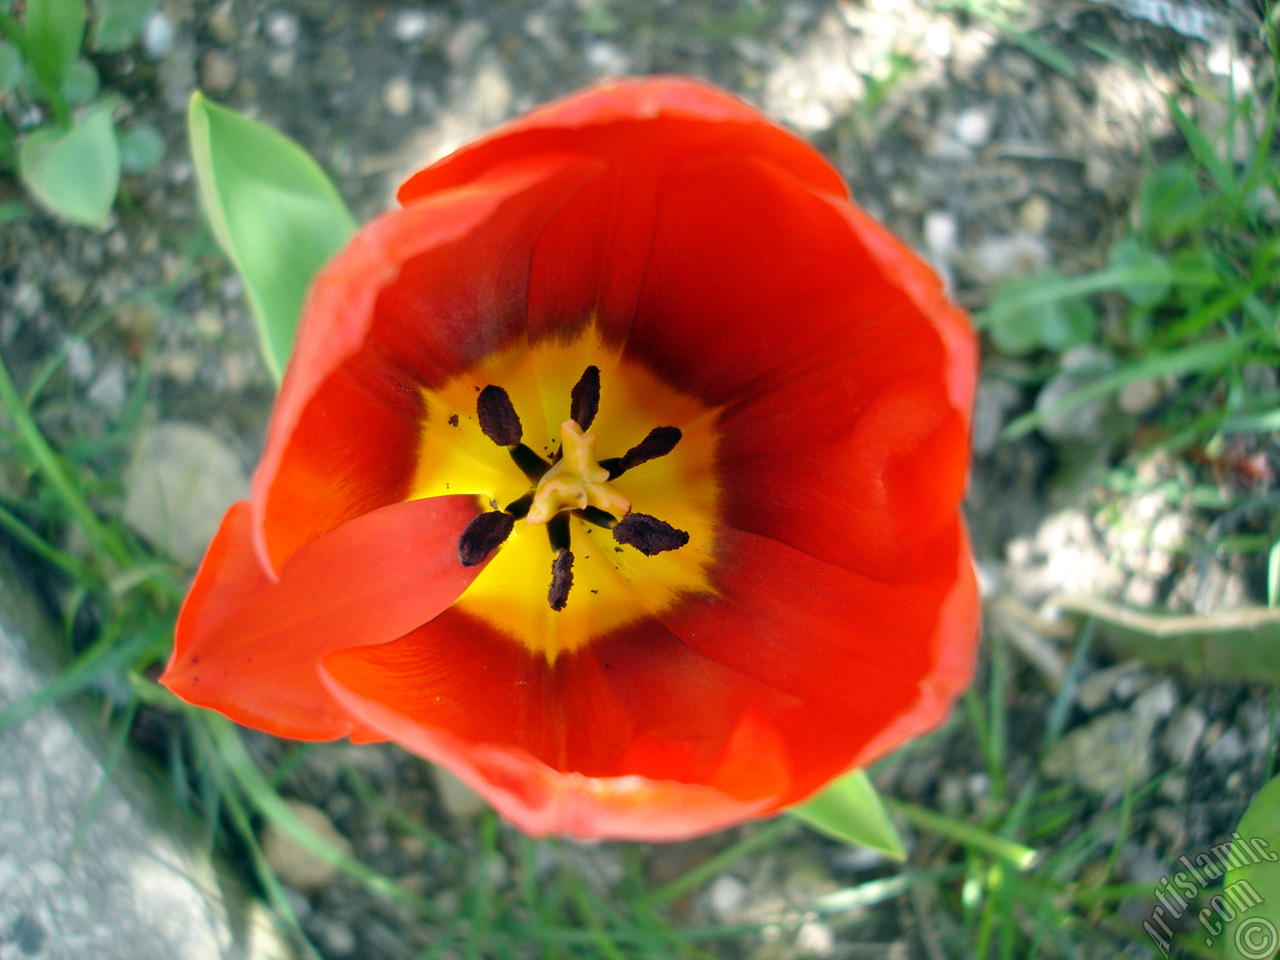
(1197, 357)
(765, 836)
(104, 541)
(1014, 854)
(271, 805)
(46, 551)
(106, 655)
(368, 795)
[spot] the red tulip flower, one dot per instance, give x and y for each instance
(618, 471)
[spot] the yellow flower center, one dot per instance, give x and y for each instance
(566, 490)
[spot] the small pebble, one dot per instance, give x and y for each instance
(466, 40)
(995, 402)
(941, 233)
(410, 26)
(1033, 216)
(1096, 689)
(1106, 755)
(1174, 787)
(222, 26)
(337, 936)
(178, 485)
(110, 390)
(282, 28)
(79, 358)
(726, 896)
(1183, 734)
(296, 865)
(1228, 750)
(1016, 254)
(974, 126)
(281, 63)
(1139, 396)
(397, 97)
(458, 799)
(217, 72)
(1157, 701)
(157, 36)
(816, 939)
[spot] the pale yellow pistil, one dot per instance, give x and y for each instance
(576, 481)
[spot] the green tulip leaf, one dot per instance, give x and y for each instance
(55, 30)
(850, 810)
(1250, 899)
(274, 212)
(74, 173)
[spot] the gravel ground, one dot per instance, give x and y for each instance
(985, 157)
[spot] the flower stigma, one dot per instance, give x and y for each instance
(583, 530)
(576, 481)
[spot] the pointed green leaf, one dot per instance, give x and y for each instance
(850, 810)
(55, 30)
(274, 212)
(74, 173)
(1250, 898)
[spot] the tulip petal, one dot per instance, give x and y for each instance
(844, 374)
(792, 673)
(591, 260)
(566, 747)
(874, 663)
(655, 122)
(420, 295)
(782, 286)
(864, 483)
(250, 646)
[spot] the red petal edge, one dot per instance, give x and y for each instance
(542, 801)
(646, 122)
(250, 647)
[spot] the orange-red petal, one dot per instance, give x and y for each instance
(592, 257)
(654, 123)
(844, 374)
(250, 646)
(872, 662)
(575, 746)
(733, 706)
(421, 294)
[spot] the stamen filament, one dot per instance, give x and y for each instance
(530, 464)
(558, 532)
(658, 443)
(597, 516)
